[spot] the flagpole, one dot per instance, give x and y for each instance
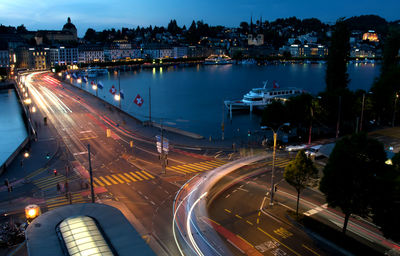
(149, 105)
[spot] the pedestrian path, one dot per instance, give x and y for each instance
(196, 167)
(61, 200)
(121, 178)
(51, 181)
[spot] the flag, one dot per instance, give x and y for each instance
(113, 90)
(276, 85)
(84, 79)
(138, 100)
(100, 85)
(92, 82)
(121, 94)
(74, 76)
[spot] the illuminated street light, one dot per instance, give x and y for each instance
(26, 94)
(68, 76)
(28, 101)
(23, 89)
(60, 74)
(79, 80)
(94, 87)
(117, 97)
(31, 212)
(26, 154)
(33, 109)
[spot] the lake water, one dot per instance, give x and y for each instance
(12, 127)
(191, 98)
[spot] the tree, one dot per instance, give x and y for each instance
(349, 176)
(21, 29)
(300, 173)
(337, 77)
(90, 35)
(275, 114)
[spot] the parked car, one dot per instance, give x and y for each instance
(313, 151)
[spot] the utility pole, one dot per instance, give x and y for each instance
(91, 174)
(273, 169)
(394, 111)
(362, 112)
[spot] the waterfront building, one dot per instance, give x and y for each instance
(4, 58)
(32, 58)
(63, 56)
(91, 54)
(180, 52)
(363, 51)
(255, 40)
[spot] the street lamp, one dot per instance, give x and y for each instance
(273, 160)
(117, 97)
(26, 154)
(94, 87)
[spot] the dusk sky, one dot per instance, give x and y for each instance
(100, 14)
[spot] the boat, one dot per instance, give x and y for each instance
(218, 60)
(259, 98)
(95, 71)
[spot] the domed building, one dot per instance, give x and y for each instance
(71, 28)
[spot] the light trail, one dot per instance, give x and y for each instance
(188, 226)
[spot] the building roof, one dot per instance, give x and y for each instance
(69, 25)
(43, 240)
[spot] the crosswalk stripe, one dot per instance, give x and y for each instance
(210, 164)
(214, 163)
(105, 181)
(118, 179)
(136, 177)
(148, 174)
(98, 181)
(49, 180)
(131, 178)
(112, 180)
(171, 169)
(142, 175)
(180, 169)
(123, 177)
(35, 173)
(198, 166)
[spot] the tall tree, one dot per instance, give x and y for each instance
(349, 176)
(90, 35)
(337, 77)
(300, 173)
(275, 114)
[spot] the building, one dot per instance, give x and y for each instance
(32, 58)
(255, 40)
(4, 59)
(370, 36)
(68, 34)
(84, 229)
(63, 56)
(306, 51)
(91, 54)
(180, 52)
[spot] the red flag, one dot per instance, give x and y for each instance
(138, 100)
(113, 90)
(276, 85)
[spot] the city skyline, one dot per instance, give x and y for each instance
(101, 15)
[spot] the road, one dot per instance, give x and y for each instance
(132, 176)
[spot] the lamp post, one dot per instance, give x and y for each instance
(94, 87)
(394, 110)
(273, 161)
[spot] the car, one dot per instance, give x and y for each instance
(292, 148)
(313, 152)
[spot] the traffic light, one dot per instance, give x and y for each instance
(248, 133)
(131, 143)
(55, 172)
(48, 156)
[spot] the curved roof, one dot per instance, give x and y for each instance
(69, 25)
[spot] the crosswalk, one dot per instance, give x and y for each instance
(50, 182)
(280, 162)
(62, 200)
(196, 167)
(121, 178)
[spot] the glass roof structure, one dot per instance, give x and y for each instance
(82, 237)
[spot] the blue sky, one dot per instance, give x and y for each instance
(101, 14)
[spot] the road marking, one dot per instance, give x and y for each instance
(98, 181)
(227, 211)
(238, 216)
(316, 210)
(123, 177)
(249, 222)
(105, 181)
(180, 172)
(148, 174)
(118, 179)
(136, 177)
(245, 241)
(142, 175)
(112, 180)
(80, 153)
(311, 250)
(89, 138)
(131, 178)
(287, 247)
(282, 232)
